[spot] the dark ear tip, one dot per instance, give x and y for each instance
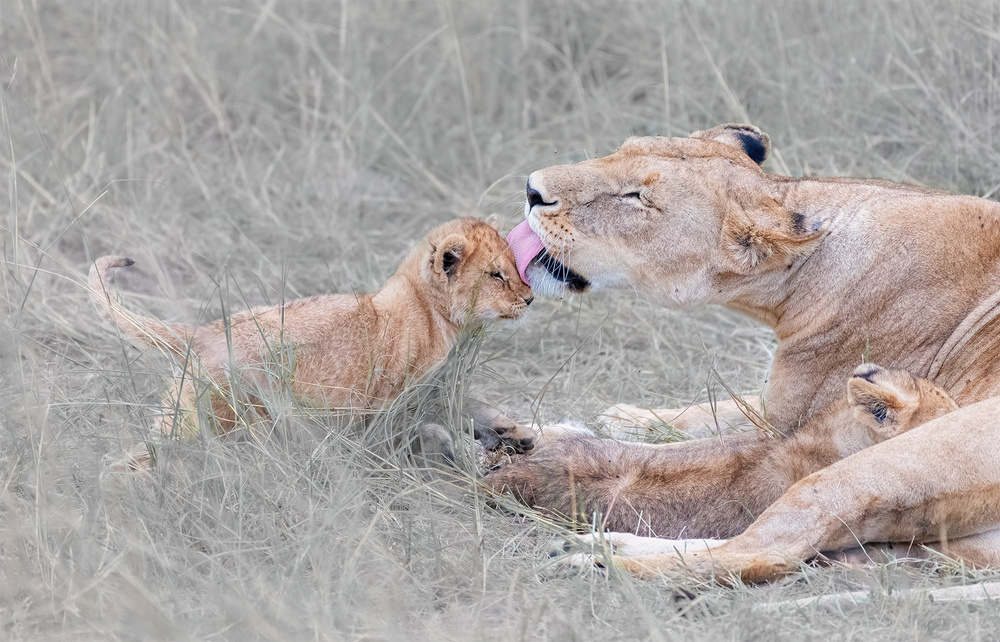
(448, 261)
(754, 144)
(747, 138)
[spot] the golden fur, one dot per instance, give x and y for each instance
(887, 402)
(340, 351)
(838, 268)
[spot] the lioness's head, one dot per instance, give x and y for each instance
(471, 270)
(670, 217)
(890, 401)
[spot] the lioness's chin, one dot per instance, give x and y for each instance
(510, 323)
(542, 283)
(551, 278)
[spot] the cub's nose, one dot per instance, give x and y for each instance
(529, 300)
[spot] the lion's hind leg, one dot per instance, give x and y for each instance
(188, 406)
(196, 404)
(981, 550)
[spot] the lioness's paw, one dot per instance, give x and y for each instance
(630, 545)
(494, 430)
(519, 439)
(577, 542)
(578, 555)
(581, 562)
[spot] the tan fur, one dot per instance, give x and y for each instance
(345, 352)
(889, 402)
(695, 421)
(886, 401)
(838, 268)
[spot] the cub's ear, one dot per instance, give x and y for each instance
(872, 391)
(764, 234)
(746, 138)
(880, 398)
(493, 220)
(448, 253)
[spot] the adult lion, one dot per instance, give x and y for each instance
(837, 267)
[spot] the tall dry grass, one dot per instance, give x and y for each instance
(245, 152)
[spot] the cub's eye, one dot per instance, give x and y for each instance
(635, 195)
(498, 276)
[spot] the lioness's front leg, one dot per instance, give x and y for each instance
(701, 488)
(936, 482)
(625, 421)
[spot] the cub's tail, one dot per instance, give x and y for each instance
(144, 330)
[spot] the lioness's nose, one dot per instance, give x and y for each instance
(535, 196)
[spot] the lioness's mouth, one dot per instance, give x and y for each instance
(528, 248)
(574, 281)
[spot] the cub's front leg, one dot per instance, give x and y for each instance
(628, 422)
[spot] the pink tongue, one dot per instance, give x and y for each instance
(526, 246)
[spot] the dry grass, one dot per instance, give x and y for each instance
(243, 152)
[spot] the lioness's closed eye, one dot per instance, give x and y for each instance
(340, 351)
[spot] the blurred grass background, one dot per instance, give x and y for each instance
(242, 152)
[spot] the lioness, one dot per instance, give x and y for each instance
(835, 267)
(340, 351)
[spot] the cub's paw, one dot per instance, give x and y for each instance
(432, 445)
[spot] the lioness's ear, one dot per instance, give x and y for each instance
(746, 138)
(448, 253)
(763, 234)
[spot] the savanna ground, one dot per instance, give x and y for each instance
(245, 152)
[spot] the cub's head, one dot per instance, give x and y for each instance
(668, 217)
(471, 269)
(889, 401)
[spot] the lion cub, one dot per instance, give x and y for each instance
(888, 401)
(346, 352)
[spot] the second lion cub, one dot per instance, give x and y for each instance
(890, 401)
(346, 352)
